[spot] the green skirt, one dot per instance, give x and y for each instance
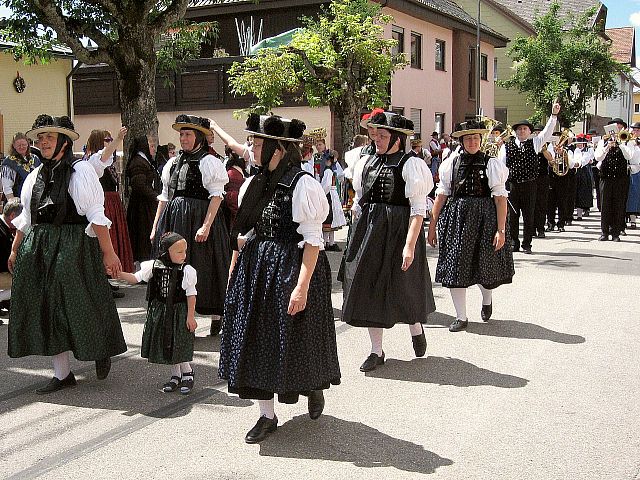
(152, 337)
(61, 299)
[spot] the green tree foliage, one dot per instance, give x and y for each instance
(340, 59)
(567, 59)
(132, 36)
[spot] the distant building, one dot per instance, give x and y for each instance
(45, 91)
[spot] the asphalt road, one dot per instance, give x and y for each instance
(547, 390)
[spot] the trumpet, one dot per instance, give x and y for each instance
(560, 165)
(623, 136)
(490, 145)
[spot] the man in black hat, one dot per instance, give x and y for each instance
(595, 171)
(545, 158)
(614, 159)
(520, 154)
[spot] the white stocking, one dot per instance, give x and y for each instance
(175, 370)
(185, 367)
(459, 297)
(415, 329)
(375, 334)
(486, 295)
(61, 366)
(266, 408)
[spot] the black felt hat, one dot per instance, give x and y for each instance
(619, 120)
(192, 122)
(275, 127)
(525, 123)
(392, 121)
(47, 123)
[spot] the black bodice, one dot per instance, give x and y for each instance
(382, 180)
(109, 180)
(189, 177)
(159, 287)
(471, 176)
(543, 166)
(522, 161)
(614, 164)
(49, 198)
(276, 221)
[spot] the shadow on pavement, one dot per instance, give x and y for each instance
(445, 371)
(439, 320)
(523, 330)
(337, 440)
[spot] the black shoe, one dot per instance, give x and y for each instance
(615, 238)
(172, 385)
(623, 233)
(541, 234)
(372, 362)
(633, 226)
(316, 404)
(603, 238)
(526, 250)
(569, 222)
(561, 229)
(458, 325)
(486, 312)
(262, 429)
(103, 367)
(55, 384)
(216, 326)
(550, 228)
(186, 385)
(419, 343)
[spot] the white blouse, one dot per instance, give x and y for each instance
(497, 174)
(214, 176)
(95, 160)
(85, 190)
(309, 207)
(418, 179)
(189, 279)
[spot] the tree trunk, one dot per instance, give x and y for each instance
(348, 111)
(136, 77)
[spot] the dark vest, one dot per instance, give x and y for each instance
(109, 180)
(471, 176)
(382, 180)
(543, 166)
(187, 177)
(159, 284)
(614, 164)
(276, 221)
(522, 161)
(21, 173)
(47, 200)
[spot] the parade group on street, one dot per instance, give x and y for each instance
(240, 238)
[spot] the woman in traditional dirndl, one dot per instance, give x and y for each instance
(386, 275)
(61, 300)
(278, 331)
(192, 192)
(470, 213)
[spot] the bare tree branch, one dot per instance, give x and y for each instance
(174, 12)
(111, 7)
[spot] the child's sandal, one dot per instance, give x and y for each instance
(186, 385)
(172, 385)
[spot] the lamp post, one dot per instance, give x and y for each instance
(478, 107)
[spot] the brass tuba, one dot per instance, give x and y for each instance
(490, 144)
(560, 165)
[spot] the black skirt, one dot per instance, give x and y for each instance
(377, 293)
(584, 190)
(211, 259)
(466, 229)
(263, 349)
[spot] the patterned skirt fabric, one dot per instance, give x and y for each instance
(263, 349)
(377, 293)
(153, 336)
(118, 232)
(61, 298)
(211, 259)
(584, 190)
(633, 198)
(466, 229)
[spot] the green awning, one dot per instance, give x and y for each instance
(275, 42)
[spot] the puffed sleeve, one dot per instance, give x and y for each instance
(214, 175)
(88, 196)
(310, 209)
(98, 164)
(418, 184)
(446, 175)
(23, 221)
(165, 176)
(497, 174)
(8, 179)
(327, 179)
(145, 272)
(189, 280)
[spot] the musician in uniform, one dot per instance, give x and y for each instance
(520, 156)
